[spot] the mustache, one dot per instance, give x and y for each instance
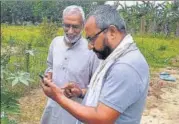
(71, 36)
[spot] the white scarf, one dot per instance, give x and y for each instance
(97, 78)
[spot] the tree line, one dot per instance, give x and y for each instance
(147, 17)
(18, 12)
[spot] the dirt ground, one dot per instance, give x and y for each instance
(162, 103)
(163, 100)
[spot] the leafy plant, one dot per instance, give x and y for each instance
(30, 52)
(9, 103)
(20, 77)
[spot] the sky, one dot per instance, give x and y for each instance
(129, 3)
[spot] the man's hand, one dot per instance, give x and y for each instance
(50, 89)
(90, 115)
(49, 75)
(72, 90)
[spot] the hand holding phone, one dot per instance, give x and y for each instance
(42, 78)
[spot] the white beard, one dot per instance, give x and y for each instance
(74, 40)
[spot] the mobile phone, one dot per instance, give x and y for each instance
(41, 76)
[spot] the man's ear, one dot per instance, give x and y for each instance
(112, 32)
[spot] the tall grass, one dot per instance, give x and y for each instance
(158, 51)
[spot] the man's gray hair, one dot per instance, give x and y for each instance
(106, 15)
(74, 8)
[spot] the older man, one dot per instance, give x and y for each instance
(118, 88)
(69, 60)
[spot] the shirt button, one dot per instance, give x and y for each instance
(63, 68)
(65, 58)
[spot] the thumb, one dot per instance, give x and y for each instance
(48, 82)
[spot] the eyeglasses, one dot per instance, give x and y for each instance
(68, 26)
(90, 39)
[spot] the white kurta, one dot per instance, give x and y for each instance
(75, 64)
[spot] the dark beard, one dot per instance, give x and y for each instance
(103, 54)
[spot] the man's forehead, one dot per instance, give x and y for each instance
(72, 13)
(76, 18)
(90, 24)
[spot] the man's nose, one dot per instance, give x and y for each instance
(70, 30)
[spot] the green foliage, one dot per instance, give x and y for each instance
(10, 77)
(158, 50)
(48, 30)
(151, 18)
(27, 50)
(162, 47)
(20, 34)
(148, 17)
(6, 120)
(9, 103)
(19, 12)
(20, 77)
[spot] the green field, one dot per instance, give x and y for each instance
(25, 48)
(160, 51)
